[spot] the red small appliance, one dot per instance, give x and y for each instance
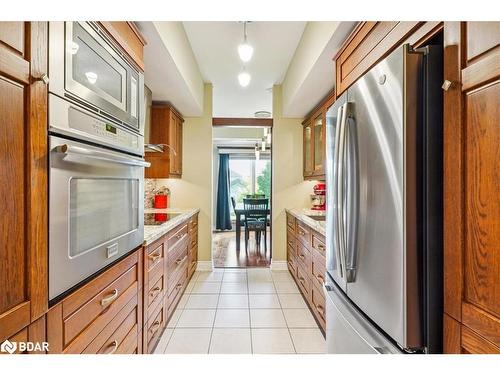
(318, 199)
(160, 201)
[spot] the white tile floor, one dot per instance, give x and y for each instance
(240, 311)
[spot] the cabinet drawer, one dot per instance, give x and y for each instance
(290, 239)
(156, 291)
(176, 292)
(193, 225)
(318, 305)
(292, 264)
(193, 240)
(155, 327)
(318, 270)
(304, 282)
(154, 264)
(176, 280)
(114, 297)
(177, 261)
(131, 344)
(304, 257)
(318, 243)
(303, 233)
(111, 338)
(290, 222)
(21, 336)
(78, 320)
(177, 236)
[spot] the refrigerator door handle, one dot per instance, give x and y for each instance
(336, 168)
(352, 197)
(340, 189)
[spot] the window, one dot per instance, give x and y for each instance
(249, 176)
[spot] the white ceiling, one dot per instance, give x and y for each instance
(215, 47)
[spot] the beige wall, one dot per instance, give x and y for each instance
(289, 188)
(194, 190)
(177, 43)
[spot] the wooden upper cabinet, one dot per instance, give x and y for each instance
(372, 41)
(472, 184)
(166, 129)
(128, 36)
(23, 172)
(314, 140)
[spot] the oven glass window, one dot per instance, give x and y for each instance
(91, 66)
(101, 210)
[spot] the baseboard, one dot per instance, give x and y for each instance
(204, 265)
(279, 265)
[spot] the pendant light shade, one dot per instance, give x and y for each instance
(245, 51)
(244, 78)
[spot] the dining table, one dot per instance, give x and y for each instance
(239, 210)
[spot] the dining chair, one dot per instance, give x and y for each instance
(256, 220)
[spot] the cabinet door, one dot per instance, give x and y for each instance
(472, 182)
(308, 150)
(319, 144)
(23, 170)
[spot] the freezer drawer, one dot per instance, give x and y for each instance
(349, 332)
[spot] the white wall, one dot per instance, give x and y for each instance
(289, 188)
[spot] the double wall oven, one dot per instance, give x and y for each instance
(96, 131)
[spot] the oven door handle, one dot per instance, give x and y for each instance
(100, 155)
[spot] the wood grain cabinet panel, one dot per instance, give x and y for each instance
(23, 171)
(166, 129)
(129, 38)
(472, 186)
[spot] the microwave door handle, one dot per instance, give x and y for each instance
(100, 155)
(340, 189)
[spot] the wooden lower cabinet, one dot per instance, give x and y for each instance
(103, 316)
(307, 264)
(169, 264)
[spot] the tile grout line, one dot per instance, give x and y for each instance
(284, 317)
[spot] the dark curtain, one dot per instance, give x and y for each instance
(223, 216)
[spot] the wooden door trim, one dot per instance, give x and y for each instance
(453, 158)
(37, 170)
(241, 121)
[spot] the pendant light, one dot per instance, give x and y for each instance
(245, 50)
(244, 78)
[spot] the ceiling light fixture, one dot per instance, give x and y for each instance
(245, 50)
(244, 78)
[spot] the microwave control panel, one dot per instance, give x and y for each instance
(105, 131)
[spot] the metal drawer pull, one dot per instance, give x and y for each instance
(154, 291)
(156, 325)
(113, 345)
(179, 261)
(178, 286)
(321, 247)
(320, 309)
(301, 256)
(107, 300)
(301, 232)
(154, 257)
(179, 236)
(320, 278)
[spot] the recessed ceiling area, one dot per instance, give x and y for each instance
(215, 46)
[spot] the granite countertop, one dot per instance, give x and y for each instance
(303, 214)
(153, 232)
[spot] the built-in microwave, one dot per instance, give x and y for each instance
(85, 68)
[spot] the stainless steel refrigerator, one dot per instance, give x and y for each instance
(384, 208)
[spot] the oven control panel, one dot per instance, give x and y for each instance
(105, 131)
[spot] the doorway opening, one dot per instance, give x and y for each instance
(242, 186)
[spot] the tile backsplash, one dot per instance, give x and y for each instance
(151, 187)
